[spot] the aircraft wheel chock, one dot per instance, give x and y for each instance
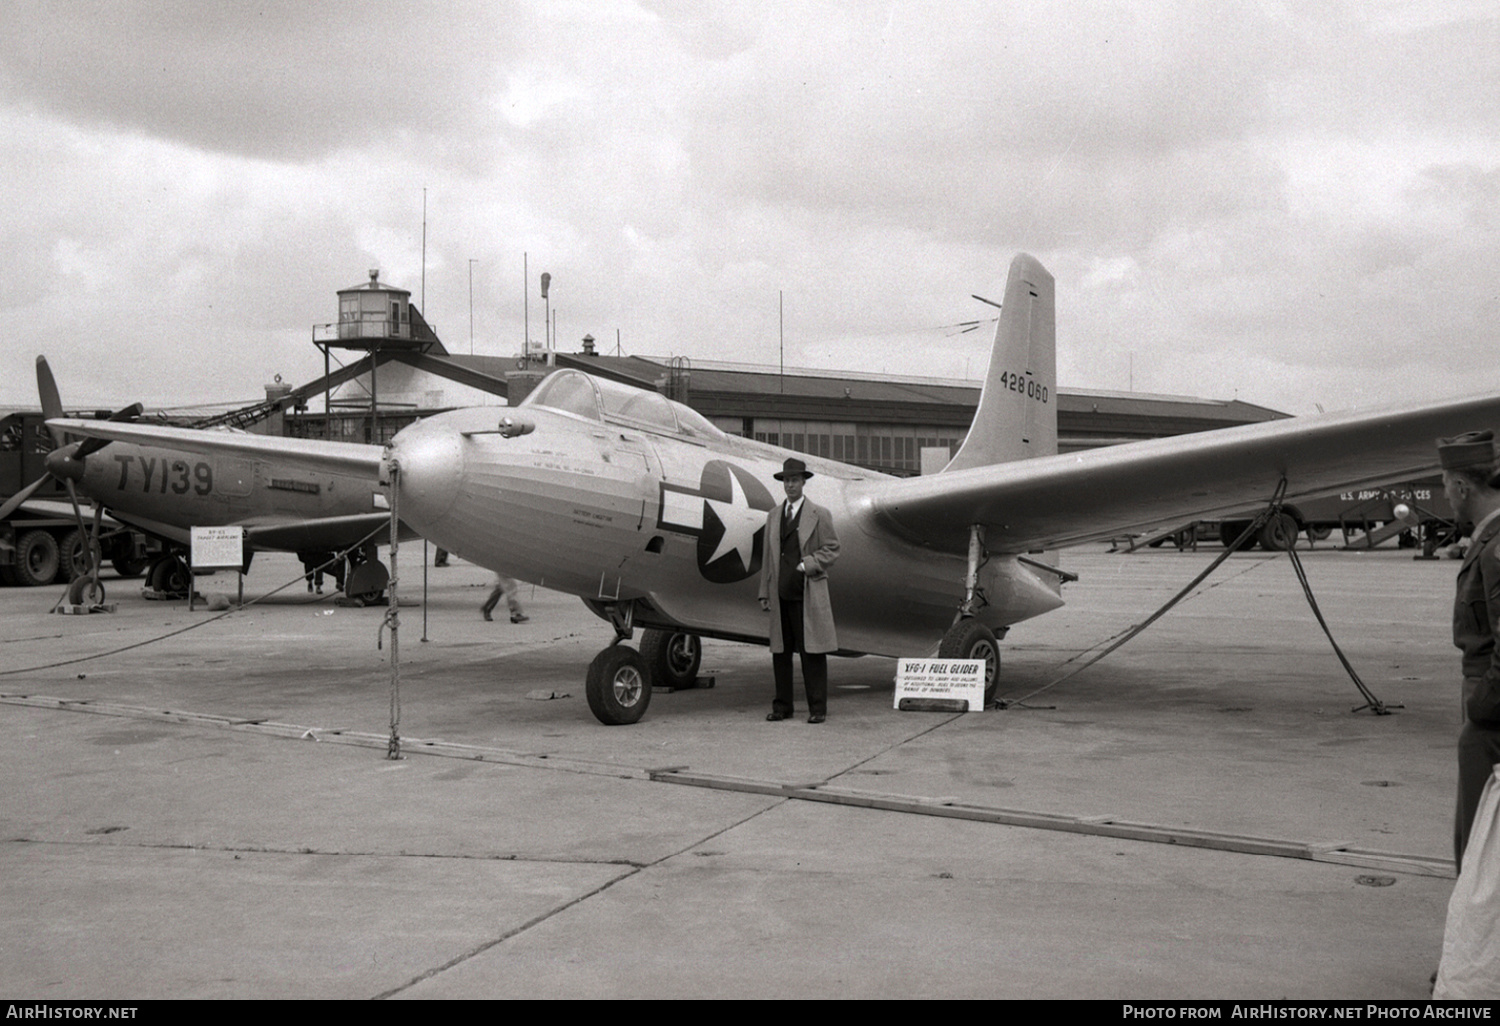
(672, 658)
(618, 688)
(86, 591)
(970, 639)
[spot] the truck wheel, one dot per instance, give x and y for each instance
(1229, 530)
(36, 558)
(75, 556)
(1279, 533)
(970, 639)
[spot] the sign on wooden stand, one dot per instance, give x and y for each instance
(218, 548)
(940, 685)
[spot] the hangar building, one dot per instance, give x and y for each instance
(882, 422)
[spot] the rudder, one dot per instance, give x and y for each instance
(1017, 415)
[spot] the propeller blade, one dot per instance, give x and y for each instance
(46, 386)
(93, 445)
(14, 502)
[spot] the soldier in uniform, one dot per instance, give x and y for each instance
(1472, 487)
(800, 547)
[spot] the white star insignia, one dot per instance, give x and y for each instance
(740, 521)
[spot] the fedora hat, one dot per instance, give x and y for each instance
(793, 466)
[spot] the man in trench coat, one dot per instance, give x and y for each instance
(800, 547)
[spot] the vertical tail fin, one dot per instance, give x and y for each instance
(1017, 415)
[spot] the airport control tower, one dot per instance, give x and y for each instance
(374, 318)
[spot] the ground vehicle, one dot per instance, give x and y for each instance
(1413, 511)
(40, 542)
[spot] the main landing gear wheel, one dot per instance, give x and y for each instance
(367, 581)
(970, 639)
(129, 566)
(672, 657)
(170, 576)
(618, 687)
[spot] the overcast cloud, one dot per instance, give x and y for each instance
(1292, 203)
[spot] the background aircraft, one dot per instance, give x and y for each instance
(165, 491)
(656, 518)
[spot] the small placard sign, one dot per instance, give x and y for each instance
(940, 683)
(218, 548)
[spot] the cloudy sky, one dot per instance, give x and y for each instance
(1292, 203)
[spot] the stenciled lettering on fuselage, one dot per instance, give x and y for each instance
(726, 513)
(163, 475)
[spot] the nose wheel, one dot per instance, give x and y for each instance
(618, 687)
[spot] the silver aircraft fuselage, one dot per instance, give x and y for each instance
(616, 513)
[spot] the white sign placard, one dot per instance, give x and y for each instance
(218, 548)
(951, 679)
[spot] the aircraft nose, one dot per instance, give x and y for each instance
(431, 468)
(61, 464)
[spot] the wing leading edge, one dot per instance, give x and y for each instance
(1057, 501)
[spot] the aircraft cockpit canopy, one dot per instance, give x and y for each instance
(571, 391)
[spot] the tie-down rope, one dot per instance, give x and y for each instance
(1273, 509)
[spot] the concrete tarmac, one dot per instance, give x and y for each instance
(213, 814)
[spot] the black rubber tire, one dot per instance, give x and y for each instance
(672, 658)
(1229, 530)
(86, 591)
(129, 566)
(1279, 533)
(618, 687)
(970, 639)
(76, 560)
(367, 582)
(37, 559)
(171, 576)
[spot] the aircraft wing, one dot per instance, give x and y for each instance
(1056, 501)
(55, 509)
(342, 457)
(288, 535)
(330, 533)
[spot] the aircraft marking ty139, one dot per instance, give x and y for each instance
(656, 519)
(164, 491)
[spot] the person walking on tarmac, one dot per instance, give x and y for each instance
(1472, 486)
(800, 546)
(503, 587)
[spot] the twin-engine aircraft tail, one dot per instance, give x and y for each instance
(1017, 416)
